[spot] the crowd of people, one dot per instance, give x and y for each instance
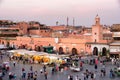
(91, 75)
(31, 74)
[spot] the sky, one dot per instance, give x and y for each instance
(50, 11)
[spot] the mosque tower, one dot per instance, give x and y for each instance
(97, 30)
(97, 20)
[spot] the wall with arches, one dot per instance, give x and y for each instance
(66, 43)
(100, 47)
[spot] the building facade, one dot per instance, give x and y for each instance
(67, 40)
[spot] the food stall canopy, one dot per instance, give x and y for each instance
(38, 56)
(11, 51)
(27, 52)
(19, 51)
(42, 53)
(30, 53)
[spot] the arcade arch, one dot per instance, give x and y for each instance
(2, 42)
(74, 51)
(95, 51)
(61, 50)
(8, 44)
(39, 48)
(104, 51)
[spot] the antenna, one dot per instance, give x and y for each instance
(67, 21)
(73, 22)
(56, 23)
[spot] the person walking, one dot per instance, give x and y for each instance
(84, 76)
(71, 77)
(14, 63)
(23, 74)
(112, 61)
(28, 76)
(92, 76)
(111, 73)
(96, 61)
(65, 70)
(45, 74)
(87, 73)
(41, 71)
(101, 73)
(44, 68)
(96, 67)
(81, 65)
(53, 70)
(104, 72)
(35, 75)
(31, 74)
(31, 68)
(76, 77)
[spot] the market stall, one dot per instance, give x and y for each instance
(38, 57)
(16, 53)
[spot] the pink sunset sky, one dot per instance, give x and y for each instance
(49, 11)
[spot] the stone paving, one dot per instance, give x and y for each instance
(59, 75)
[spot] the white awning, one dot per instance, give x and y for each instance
(2, 47)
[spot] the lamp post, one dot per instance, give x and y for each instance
(100, 53)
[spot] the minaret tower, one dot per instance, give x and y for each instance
(97, 20)
(97, 30)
